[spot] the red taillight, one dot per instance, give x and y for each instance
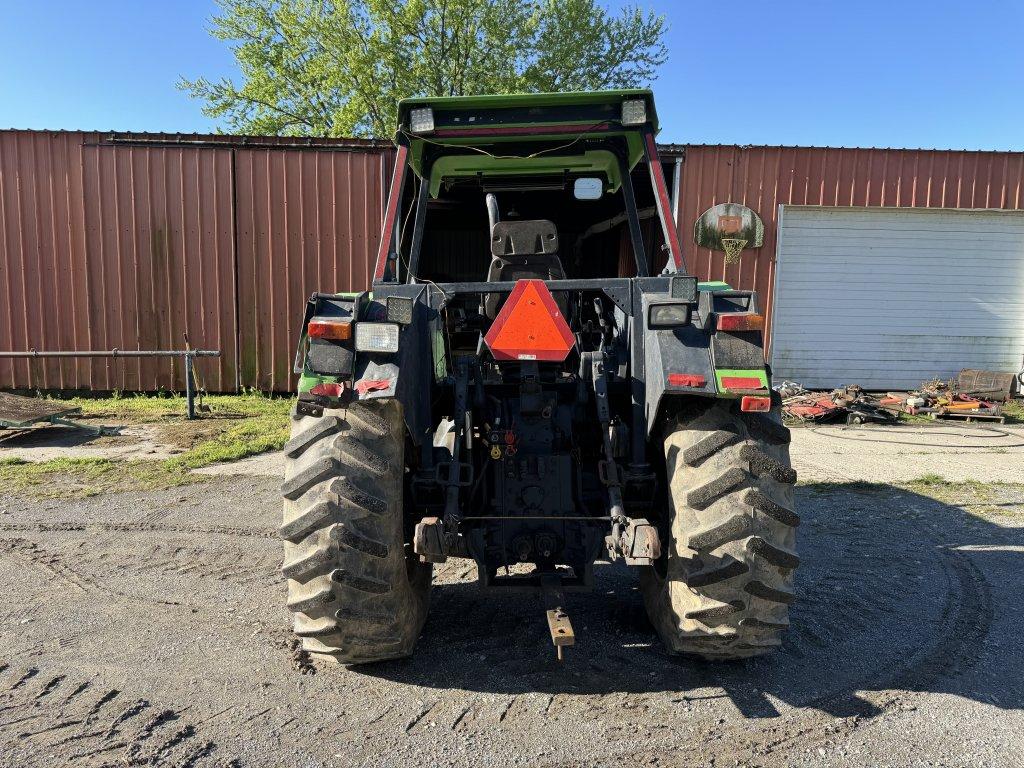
(686, 380)
(741, 382)
(755, 404)
(744, 321)
(334, 330)
(328, 389)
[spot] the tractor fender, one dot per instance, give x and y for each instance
(406, 376)
(677, 363)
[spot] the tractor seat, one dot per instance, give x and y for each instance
(523, 250)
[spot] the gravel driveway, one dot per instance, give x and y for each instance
(149, 629)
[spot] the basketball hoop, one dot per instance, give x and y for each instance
(732, 247)
(729, 227)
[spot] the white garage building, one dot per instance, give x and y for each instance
(890, 297)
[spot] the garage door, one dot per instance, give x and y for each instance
(888, 298)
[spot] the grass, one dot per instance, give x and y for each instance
(937, 485)
(984, 500)
(84, 477)
(236, 427)
(145, 409)
(852, 486)
(974, 496)
(1014, 411)
(929, 480)
(257, 434)
(914, 418)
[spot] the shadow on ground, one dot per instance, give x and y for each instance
(897, 591)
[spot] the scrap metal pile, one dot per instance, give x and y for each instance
(850, 404)
(973, 396)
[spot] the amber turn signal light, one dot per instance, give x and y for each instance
(334, 330)
(743, 321)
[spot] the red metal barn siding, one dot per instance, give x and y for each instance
(131, 240)
(159, 262)
(43, 260)
(36, 254)
(307, 221)
(765, 177)
(101, 235)
(96, 245)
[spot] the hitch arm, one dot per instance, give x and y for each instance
(635, 540)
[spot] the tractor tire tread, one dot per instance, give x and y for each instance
(723, 586)
(705, 495)
(357, 592)
(762, 464)
(323, 427)
(696, 454)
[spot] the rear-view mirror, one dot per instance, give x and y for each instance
(588, 188)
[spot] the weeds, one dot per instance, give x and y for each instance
(146, 409)
(82, 477)
(1014, 411)
(854, 486)
(236, 427)
(929, 479)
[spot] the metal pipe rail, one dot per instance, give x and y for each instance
(188, 354)
(117, 353)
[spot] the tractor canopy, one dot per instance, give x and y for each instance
(534, 134)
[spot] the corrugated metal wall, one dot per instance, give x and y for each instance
(158, 262)
(764, 177)
(131, 240)
(307, 221)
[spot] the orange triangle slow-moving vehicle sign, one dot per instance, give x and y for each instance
(530, 326)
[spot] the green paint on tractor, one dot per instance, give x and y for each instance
(741, 373)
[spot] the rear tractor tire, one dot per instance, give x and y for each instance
(358, 592)
(723, 587)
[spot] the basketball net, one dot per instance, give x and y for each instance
(732, 247)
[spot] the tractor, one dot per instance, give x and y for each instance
(535, 382)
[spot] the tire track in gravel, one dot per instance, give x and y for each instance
(50, 562)
(241, 564)
(220, 530)
(84, 723)
(952, 638)
(962, 625)
(882, 607)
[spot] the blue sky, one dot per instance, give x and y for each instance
(903, 74)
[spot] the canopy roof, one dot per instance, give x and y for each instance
(535, 133)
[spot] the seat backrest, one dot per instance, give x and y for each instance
(522, 250)
(524, 238)
(511, 268)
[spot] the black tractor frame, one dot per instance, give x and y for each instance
(537, 467)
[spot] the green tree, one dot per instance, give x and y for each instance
(338, 67)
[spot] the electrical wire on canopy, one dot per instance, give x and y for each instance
(538, 153)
